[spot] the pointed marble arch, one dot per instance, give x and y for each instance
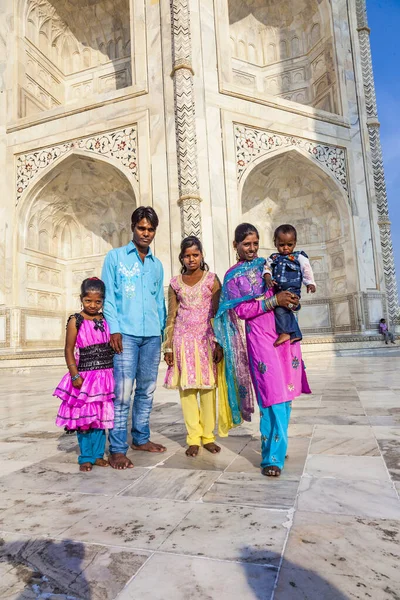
(118, 148)
(255, 145)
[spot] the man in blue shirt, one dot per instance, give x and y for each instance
(135, 311)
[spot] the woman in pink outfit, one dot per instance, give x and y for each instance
(87, 391)
(277, 373)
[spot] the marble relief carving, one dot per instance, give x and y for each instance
(120, 145)
(185, 124)
(377, 163)
(71, 53)
(286, 49)
(252, 143)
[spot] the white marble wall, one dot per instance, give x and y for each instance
(148, 105)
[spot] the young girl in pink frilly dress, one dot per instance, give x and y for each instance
(87, 391)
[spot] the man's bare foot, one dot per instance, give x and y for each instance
(85, 467)
(211, 447)
(283, 337)
(149, 447)
(271, 471)
(100, 462)
(192, 451)
(120, 462)
(293, 340)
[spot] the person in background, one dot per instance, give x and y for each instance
(383, 329)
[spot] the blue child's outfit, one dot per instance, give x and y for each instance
(289, 272)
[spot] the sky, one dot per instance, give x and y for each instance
(384, 21)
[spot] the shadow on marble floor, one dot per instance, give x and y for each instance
(43, 569)
(294, 583)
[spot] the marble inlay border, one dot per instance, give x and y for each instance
(120, 144)
(6, 314)
(252, 143)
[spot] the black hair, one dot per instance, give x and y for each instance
(382, 320)
(243, 230)
(93, 284)
(188, 242)
(144, 212)
(286, 228)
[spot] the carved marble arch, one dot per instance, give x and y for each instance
(77, 212)
(72, 50)
(289, 187)
(285, 49)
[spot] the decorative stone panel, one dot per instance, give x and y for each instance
(252, 143)
(120, 145)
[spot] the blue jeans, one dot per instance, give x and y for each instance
(139, 361)
(92, 445)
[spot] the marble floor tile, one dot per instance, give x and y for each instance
(384, 420)
(13, 466)
(351, 546)
(390, 450)
(130, 522)
(47, 514)
(300, 431)
(248, 461)
(299, 584)
(188, 578)
(347, 467)
(205, 461)
(341, 409)
(386, 432)
(253, 490)
(372, 498)
(65, 569)
(174, 484)
(230, 533)
(357, 440)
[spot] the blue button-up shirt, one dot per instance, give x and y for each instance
(134, 302)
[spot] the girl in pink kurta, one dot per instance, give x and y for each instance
(87, 391)
(190, 349)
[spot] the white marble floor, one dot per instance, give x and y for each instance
(209, 528)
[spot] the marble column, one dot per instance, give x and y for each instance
(182, 73)
(377, 162)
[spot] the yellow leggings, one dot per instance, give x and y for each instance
(200, 422)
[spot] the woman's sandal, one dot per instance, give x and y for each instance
(271, 471)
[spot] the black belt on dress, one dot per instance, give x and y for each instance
(98, 356)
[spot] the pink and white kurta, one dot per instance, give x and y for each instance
(189, 333)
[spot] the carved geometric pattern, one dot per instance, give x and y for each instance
(185, 124)
(190, 221)
(377, 163)
(251, 143)
(120, 145)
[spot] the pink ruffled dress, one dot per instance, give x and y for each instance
(91, 406)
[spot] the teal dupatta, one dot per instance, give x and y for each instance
(230, 336)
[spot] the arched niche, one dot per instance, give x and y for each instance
(288, 47)
(77, 212)
(292, 188)
(72, 50)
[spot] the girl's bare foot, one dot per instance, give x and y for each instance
(211, 447)
(149, 447)
(85, 467)
(192, 451)
(120, 462)
(271, 471)
(100, 462)
(283, 337)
